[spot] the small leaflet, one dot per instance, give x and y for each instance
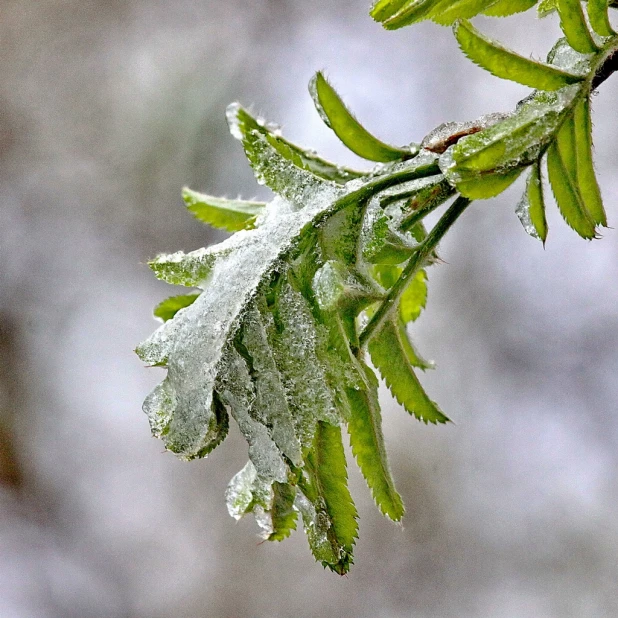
(168, 308)
(567, 194)
(367, 442)
(230, 215)
(383, 9)
(188, 269)
(388, 349)
(573, 24)
(545, 7)
(504, 8)
(506, 64)
(332, 528)
(599, 18)
(446, 13)
(411, 13)
(257, 140)
(283, 515)
(531, 208)
(586, 177)
(338, 117)
(414, 298)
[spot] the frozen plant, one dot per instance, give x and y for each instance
(286, 311)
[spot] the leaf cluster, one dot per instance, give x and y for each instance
(284, 316)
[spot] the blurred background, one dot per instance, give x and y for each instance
(106, 110)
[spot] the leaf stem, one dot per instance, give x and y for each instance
(424, 250)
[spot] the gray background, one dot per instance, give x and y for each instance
(106, 110)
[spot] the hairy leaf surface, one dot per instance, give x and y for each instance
(338, 117)
(506, 64)
(230, 215)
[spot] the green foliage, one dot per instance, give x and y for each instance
(331, 272)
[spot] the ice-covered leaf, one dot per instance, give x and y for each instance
(545, 7)
(389, 349)
(574, 26)
(230, 215)
(599, 18)
(188, 269)
(381, 242)
(531, 208)
(479, 187)
(485, 163)
(506, 64)
(283, 514)
(338, 117)
(268, 152)
(367, 441)
(168, 308)
(328, 512)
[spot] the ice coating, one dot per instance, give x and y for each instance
(303, 372)
(450, 133)
(516, 141)
(270, 406)
(523, 212)
(247, 491)
(239, 491)
(231, 114)
(189, 269)
(191, 344)
(565, 57)
(316, 526)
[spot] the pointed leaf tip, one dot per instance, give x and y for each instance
(354, 136)
(222, 213)
(506, 64)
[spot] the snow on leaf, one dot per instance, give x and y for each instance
(230, 215)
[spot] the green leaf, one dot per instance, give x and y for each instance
(168, 308)
(586, 178)
(411, 12)
(381, 244)
(367, 441)
(531, 208)
(332, 527)
(565, 191)
(270, 406)
(188, 269)
(545, 7)
(338, 117)
(484, 187)
(383, 9)
(599, 18)
(506, 64)
(389, 349)
(573, 24)
(277, 162)
(283, 514)
(448, 12)
(230, 215)
(504, 8)
(485, 163)
(414, 298)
